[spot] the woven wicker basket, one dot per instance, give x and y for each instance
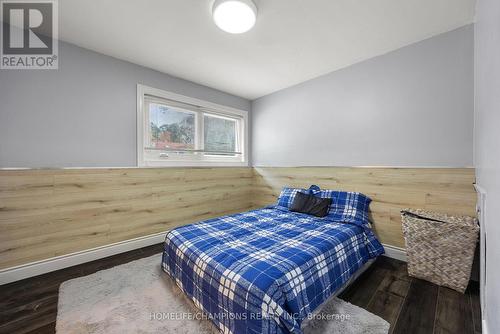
(440, 248)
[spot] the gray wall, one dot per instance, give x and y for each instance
(487, 140)
(83, 114)
(410, 107)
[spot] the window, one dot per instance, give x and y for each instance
(175, 130)
(170, 127)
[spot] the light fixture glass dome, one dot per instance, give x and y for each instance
(234, 16)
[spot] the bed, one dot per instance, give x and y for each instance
(266, 270)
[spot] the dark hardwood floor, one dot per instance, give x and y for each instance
(30, 305)
(413, 306)
(410, 305)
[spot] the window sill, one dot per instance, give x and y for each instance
(193, 164)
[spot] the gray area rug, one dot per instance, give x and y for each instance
(138, 297)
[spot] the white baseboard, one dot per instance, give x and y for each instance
(17, 273)
(394, 252)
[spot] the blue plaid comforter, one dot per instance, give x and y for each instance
(264, 271)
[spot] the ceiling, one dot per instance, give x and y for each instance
(293, 40)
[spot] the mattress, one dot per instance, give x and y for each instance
(266, 270)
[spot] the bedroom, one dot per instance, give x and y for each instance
(249, 166)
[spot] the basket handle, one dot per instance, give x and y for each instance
(414, 215)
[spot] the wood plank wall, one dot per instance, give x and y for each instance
(47, 213)
(447, 190)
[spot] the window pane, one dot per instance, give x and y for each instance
(171, 128)
(220, 134)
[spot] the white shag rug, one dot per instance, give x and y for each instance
(138, 297)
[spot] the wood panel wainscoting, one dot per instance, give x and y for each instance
(448, 190)
(49, 213)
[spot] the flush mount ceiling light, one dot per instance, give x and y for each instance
(234, 16)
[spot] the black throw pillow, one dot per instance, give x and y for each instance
(310, 204)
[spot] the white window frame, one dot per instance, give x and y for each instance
(203, 106)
